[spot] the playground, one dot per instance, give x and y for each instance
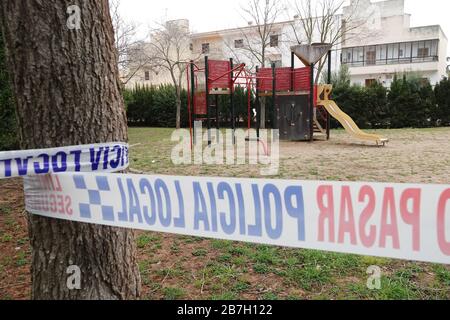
(302, 109)
(179, 267)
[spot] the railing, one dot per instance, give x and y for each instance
(391, 61)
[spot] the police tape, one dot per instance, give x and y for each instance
(402, 221)
(106, 157)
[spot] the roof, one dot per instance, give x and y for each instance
(234, 30)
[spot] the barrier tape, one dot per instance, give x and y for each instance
(106, 157)
(402, 221)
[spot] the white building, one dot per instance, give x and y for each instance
(394, 47)
(379, 44)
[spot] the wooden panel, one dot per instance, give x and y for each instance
(283, 79)
(302, 79)
(265, 82)
(200, 104)
(219, 74)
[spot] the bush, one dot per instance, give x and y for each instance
(8, 125)
(442, 96)
(156, 107)
(411, 103)
(367, 106)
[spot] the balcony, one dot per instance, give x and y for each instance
(391, 54)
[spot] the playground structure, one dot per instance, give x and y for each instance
(302, 110)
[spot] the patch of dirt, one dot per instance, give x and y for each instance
(15, 276)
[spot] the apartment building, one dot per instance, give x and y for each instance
(394, 47)
(379, 44)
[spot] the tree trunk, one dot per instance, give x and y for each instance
(178, 102)
(67, 90)
(262, 101)
(262, 124)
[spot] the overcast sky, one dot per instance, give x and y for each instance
(209, 15)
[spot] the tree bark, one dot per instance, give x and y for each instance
(178, 103)
(262, 124)
(67, 90)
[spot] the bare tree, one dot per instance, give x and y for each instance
(169, 50)
(262, 16)
(130, 48)
(322, 21)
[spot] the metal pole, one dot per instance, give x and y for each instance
(329, 82)
(292, 71)
(258, 106)
(217, 115)
(194, 118)
(208, 111)
(311, 110)
(233, 117)
(274, 90)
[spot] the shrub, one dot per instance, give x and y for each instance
(442, 96)
(410, 103)
(156, 107)
(366, 106)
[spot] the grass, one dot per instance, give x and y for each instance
(216, 269)
(173, 293)
(182, 267)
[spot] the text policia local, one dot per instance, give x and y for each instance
(379, 216)
(105, 158)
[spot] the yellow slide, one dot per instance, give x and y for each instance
(350, 126)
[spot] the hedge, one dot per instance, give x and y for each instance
(156, 107)
(442, 96)
(410, 102)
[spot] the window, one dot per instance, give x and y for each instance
(278, 63)
(349, 55)
(346, 56)
(434, 48)
(239, 43)
(205, 48)
(381, 54)
(274, 41)
(147, 75)
(393, 53)
(371, 55)
(370, 82)
(191, 46)
(358, 55)
(415, 46)
(423, 52)
(404, 53)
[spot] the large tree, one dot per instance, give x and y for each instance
(130, 48)
(66, 83)
(169, 51)
(322, 21)
(262, 16)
